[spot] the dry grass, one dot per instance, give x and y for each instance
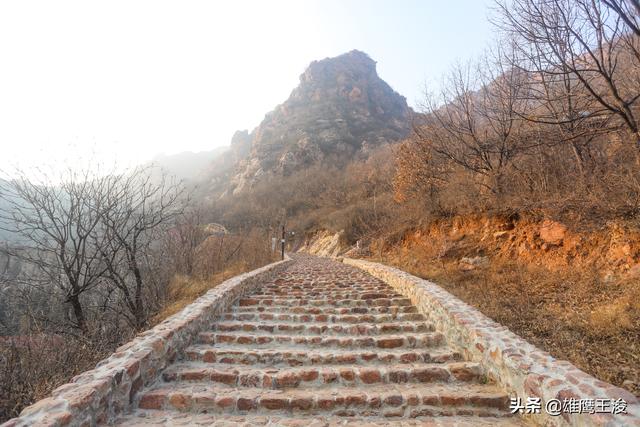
(574, 315)
(183, 290)
(32, 366)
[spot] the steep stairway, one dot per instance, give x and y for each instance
(322, 344)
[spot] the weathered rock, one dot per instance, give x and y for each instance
(553, 233)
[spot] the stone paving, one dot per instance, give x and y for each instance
(322, 344)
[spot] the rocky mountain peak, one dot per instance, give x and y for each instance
(351, 66)
(340, 106)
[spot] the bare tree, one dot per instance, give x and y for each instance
(628, 11)
(474, 122)
(142, 209)
(183, 240)
(55, 227)
(557, 104)
(593, 41)
(94, 237)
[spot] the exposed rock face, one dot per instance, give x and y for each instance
(240, 144)
(340, 107)
(325, 244)
(222, 168)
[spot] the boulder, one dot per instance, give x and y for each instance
(552, 233)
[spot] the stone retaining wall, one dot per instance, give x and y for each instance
(524, 370)
(100, 395)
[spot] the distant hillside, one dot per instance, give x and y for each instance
(187, 165)
(4, 235)
(340, 108)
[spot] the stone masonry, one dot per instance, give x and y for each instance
(322, 343)
(315, 342)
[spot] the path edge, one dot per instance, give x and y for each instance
(100, 395)
(521, 368)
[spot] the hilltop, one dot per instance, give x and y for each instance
(340, 109)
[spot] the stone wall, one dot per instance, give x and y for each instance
(524, 370)
(100, 395)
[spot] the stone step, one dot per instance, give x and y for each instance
(322, 376)
(323, 302)
(172, 418)
(396, 400)
(283, 356)
(300, 283)
(333, 318)
(392, 309)
(330, 295)
(325, 329)
(322, 344)
(325, 289)
(422, 340)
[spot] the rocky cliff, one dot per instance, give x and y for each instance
(340, 108)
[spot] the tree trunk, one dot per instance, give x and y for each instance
(579, 158)
(139, 307)
(78, 312)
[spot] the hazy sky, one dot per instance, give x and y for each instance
(126, 80)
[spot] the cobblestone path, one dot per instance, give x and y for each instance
(322, 344)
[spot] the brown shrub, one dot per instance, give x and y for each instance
(32, 366)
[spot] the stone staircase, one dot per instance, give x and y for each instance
(323, 343)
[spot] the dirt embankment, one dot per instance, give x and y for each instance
(612, 250)
(573, 293)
